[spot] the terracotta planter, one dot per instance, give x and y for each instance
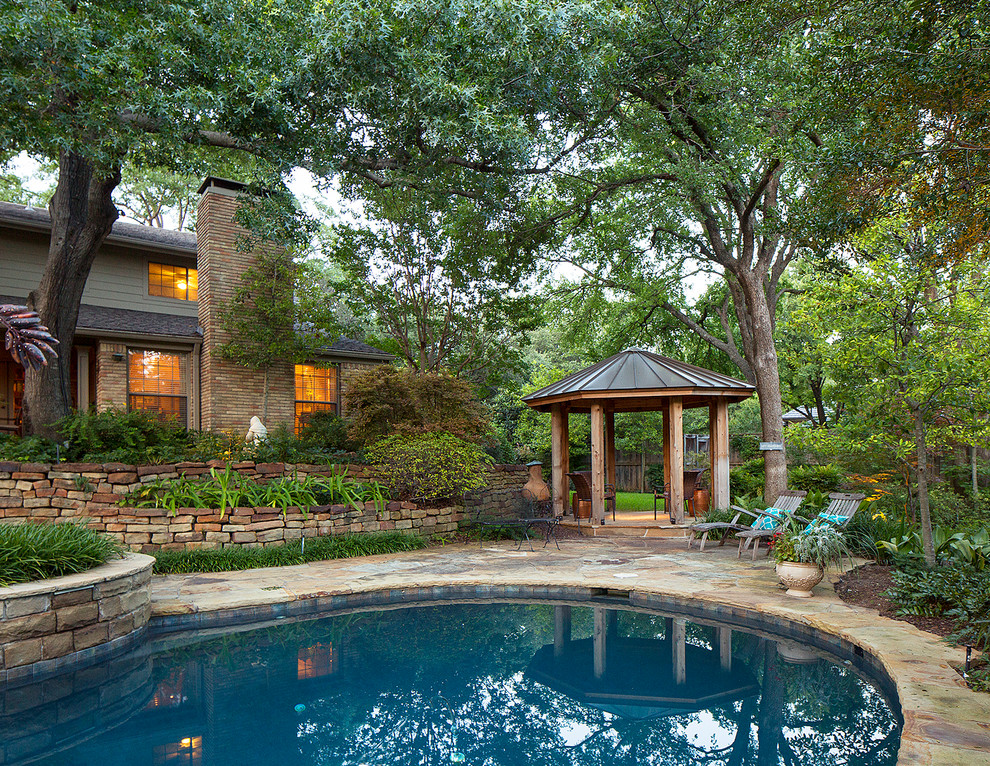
(799, 579)
(583, 509)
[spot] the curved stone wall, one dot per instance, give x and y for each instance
(83, 617)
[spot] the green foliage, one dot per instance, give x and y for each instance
(869, 528)
(718, 515)
(288, 554)
(822, 478)
(39, 551)
(823, 544)
(533, 431)
(968, 550)
(29, 449)
(388, 400)
(429, 467)
(746, 446)
(326, 431)
(229, 489)
(957, 592)
(135, 436)
(747, 479)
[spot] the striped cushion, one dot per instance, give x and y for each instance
(771, 519)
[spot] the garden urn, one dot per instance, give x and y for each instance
(799, 578)
(536, 487)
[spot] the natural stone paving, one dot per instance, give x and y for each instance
(945, 723)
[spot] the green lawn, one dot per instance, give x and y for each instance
(635, 501)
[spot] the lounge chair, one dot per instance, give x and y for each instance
(787, 502)
(840, 509)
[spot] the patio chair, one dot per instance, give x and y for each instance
(768, 519)
(840, 509)
(582, 491)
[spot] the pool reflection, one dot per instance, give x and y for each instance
(502, 684)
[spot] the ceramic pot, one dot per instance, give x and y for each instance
(700, 502)
(536, 487)
(799, 579)
(583, 510)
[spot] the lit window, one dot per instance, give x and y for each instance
(156, 382)
(173, 282)
(316, 391)
(185, 752)
(316, 661)
(169, 692)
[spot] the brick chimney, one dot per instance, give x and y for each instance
(230, 393)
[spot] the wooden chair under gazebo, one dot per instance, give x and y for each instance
(636, 380)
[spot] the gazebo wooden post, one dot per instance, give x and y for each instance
(718, 446)
(674, 447)
(610, 446)
(598, 462)
(560, 455)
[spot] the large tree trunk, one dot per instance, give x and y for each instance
(82, 213)
(761, 353)
(921, 448)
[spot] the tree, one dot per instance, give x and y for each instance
(437, 283)
(905, 334)
(276, 316)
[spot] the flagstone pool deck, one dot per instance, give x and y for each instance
(945, 723)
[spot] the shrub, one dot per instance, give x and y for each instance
(746, 446)
(429, 467)
(387, 400)
(748, 478)
(960, 593)
(869, 527)
(29, 449)
(288, 554)
(325, 431)
(821, 478)
(39, 551)
(135, 436)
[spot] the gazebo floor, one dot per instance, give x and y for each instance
(630, 524)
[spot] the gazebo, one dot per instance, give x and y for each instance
(636, 380)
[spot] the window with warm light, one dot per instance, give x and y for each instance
(156, 381)
(316, 661)
(186, 752)
(169, 692)
(316, 391)
(173, 282)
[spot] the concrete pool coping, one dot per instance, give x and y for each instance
(945, 723)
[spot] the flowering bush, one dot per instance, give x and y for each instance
(429, 467)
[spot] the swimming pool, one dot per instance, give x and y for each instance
(497, 683)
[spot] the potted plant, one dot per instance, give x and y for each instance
(803, 553)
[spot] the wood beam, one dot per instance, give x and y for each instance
(718, 449)
(599, 641)
(561, 629)
(598, 463)
(725, 648)
(666, 450)
(678, 652)
(674, 437)
(559, 449)
(610, 446)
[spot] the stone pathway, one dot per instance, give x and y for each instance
(945, 723)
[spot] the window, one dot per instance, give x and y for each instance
(185, 752)
(316, 661)
(156, 381)
(11, 394)
(316, 391)
(173, 282)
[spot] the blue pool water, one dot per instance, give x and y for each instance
(459, 683)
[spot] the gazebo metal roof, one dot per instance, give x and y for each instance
(632, 377)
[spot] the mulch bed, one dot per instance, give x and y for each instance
(865, 585)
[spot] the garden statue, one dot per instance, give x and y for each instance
(257, 432)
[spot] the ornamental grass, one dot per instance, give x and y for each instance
(39, 551)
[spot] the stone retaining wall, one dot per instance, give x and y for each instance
(48, 623)
(92, 492)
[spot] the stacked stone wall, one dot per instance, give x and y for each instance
(96, 493)
(43, 621)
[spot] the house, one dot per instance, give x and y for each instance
(149, 324)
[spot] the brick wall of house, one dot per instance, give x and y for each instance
(230, 394)
(93, 492)
(111, 375)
